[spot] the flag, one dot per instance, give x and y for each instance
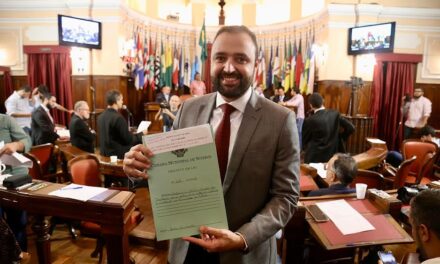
(292, 65)
(175, 68)
(311, 77)
(181, 67)
(187, 68)
(269, 71)
(168, 65)
(158, 67)
(151, 65)
(287, 66)
(298, 65)
(303, 86)
(202, 43)
(138, 70)
(146, 63)
(258, 76)
(195, 67)
(276, 69)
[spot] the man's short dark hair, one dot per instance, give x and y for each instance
(427, 130)
(424, 210)
(42, 89)
(345, 168)
(46, 95)
(26, 88)
(296, 90)
(112, 96)
(315, 100)
(237, 30)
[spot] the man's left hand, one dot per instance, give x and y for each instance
(10, 148)
(217, 240)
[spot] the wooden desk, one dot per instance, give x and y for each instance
(372, 157)
(69, 152)
(111, 209)
(297, 230)
(306, 180)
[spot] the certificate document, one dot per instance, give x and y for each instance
(184, 182)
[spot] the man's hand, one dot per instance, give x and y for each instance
(136, 161)
(12, 147)
(217, 240)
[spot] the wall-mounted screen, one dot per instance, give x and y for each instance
(74, 31)
(371, 39)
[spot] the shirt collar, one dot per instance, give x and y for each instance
(239, 103)
(321, 108)
(45, 108)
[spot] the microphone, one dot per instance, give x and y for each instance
(126, 109)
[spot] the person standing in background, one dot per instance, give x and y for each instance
(20, 107)
(297, 101)
(197, 86)
(417, 111)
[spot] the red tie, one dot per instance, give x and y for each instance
(222, 137)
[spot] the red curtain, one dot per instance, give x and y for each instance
(54, 69)
(394, 76)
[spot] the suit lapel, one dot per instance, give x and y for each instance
(251, 116)
(205, 109)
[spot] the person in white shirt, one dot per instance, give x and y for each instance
(425, 225)
(19, 106)
(417, 111)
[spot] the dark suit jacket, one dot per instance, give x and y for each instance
(160, 97)
(337, 188)
(43, 130)
(321, 135)
(276, 99)
(114, 137)
(260, 187)
(80, 134)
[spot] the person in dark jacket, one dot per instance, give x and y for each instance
(81, 135)
(341, 171)
(324, 133)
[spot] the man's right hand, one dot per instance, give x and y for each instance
(137, 161)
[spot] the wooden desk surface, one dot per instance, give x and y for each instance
(111, 209)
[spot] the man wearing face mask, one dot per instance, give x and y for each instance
(417, 110)
(258, 151)
(81, 135)
(42, 125)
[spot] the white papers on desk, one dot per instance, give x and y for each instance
(320, 169)
(144, 125)
(78, 192)
(345, 217)
(63, 133)
(375, 141)
(16, 160)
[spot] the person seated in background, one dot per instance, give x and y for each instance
(259, 90)
(281, 96)
(197, 86)
(42, 125)
(168, 113)
(341, 171)
(81, 135)
(164, 95)
(425, 225)
(19, 106)
(427, 133)
(15, 140)
(114, 136)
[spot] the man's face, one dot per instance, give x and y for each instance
(84, 111)
(166, 90)
(416, 237)
(281, 92)
(233, 64)
(174, 102)
(51, 103)
(418, 93)
(25, 94)
(120, 102)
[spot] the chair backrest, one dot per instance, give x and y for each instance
(85, 170)
(373, 179)
(44, 154)
(427, 169)
(402, 172)
(36, 172)
(418, 148)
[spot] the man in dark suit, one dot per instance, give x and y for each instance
(81, 135)
(42, 125)
(341, 171)
(281, 96)
(114, 136)
(324, 132)
(164, 95)
(260, 185)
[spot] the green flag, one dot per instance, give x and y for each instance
(202, 43)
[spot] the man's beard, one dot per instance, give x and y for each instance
(235, 92)
(417, 97)
(49, 106)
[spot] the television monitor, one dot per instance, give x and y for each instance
(79, 32)
(371, 38)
